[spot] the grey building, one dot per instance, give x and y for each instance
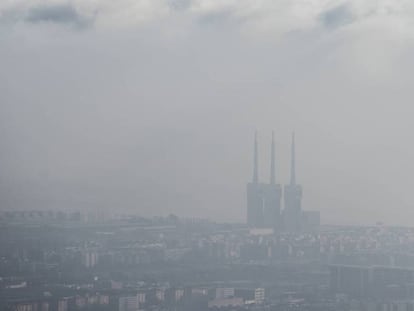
(292, 213)
(263, 199)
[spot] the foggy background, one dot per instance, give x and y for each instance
(151, 106)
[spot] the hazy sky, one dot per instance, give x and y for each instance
(151, 105)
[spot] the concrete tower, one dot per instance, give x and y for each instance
(292, 213)
(272, 195)
(254, 193)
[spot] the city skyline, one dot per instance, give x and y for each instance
(283, 171)
(264, 200)
(208, 155)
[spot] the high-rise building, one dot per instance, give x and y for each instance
(263, 200)
(128, 303)
(254, 193)
(272, 194)
(292, 213)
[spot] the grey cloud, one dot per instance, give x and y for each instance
(338, 16)
(162, 122)
(179, 4)
(8, 16)
(213, 18)
(59, 14)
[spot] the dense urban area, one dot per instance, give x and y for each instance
(279, 260)
(67, 261)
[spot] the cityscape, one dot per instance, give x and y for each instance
(277, 260)
(206, 155)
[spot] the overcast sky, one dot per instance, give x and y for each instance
(151, 105)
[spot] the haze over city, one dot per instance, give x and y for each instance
(206, 155)
(151, 106)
